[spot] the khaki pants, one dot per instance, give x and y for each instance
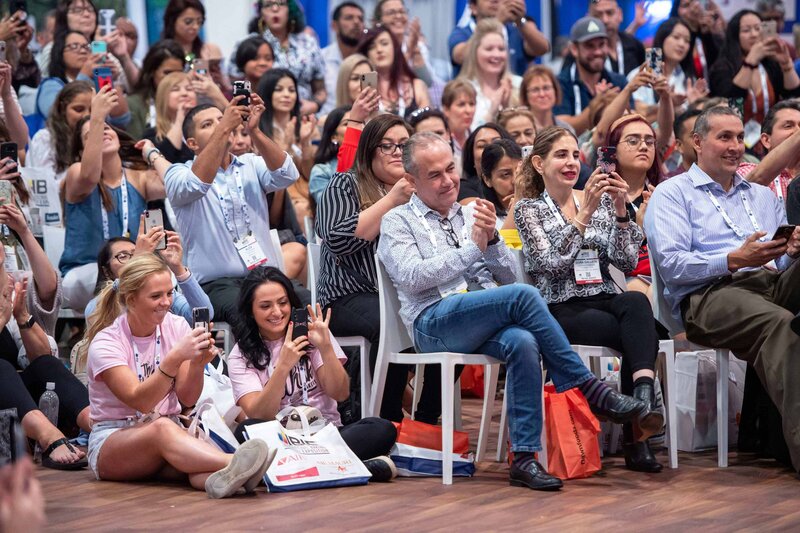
(749, 313)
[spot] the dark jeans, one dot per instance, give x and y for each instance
(359, 315)
(623, 322)
(224, 296)
(368, 438)
(23, 389)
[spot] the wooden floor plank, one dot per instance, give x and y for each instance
(750, 494)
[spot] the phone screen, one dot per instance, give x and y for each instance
(152, 219)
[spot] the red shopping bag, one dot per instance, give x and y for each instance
(472, 381)
(572, 448)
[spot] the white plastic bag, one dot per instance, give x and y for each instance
(207, 424)
(217, 387)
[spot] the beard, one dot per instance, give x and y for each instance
(349, 41)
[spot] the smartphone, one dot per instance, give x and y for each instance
(784, 232)
(654, 59)
(769, 28)
(242, 87)
(102, 77)
(99, 47)
(607, 158)
(526, 152)
(152, 219)
(9, 150)
(106, 22)
(300, 321)
(369, 79)
(200, 66)
(18, 5)
(201, 318)
(2, 51)
(18, 439)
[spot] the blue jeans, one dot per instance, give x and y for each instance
(511, 323)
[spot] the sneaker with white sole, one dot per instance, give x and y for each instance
(258, 477)
(382, 468)
(247, 461)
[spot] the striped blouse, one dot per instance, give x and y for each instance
(348, 263)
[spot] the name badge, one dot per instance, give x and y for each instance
(587, 268)
(455, 286)
(250, 252)
(10, 262)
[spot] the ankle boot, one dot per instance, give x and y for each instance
(638, 456)
(650, 421)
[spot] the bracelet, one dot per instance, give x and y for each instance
(579, 222)
(185, 276)
(162, 371)
(749, 65)
(150, 152)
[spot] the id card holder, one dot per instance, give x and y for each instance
(455, 286)
(587, 268)
(250, 252)
(752, 133)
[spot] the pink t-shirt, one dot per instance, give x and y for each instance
(113, 347)
(246, 379)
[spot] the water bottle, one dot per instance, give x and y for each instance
(48, 404)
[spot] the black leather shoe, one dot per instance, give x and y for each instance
(638, 457)
(534, 477)
(620, 408)
(650, 421)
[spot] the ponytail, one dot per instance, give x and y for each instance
(108, 309)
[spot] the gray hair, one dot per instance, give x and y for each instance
(421, 140)
(702, 126)
(762, 6)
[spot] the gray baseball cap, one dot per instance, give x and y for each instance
(586, 29)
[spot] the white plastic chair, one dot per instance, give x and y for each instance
(276, 245)
(394, 337)
(227, 343)
(308, 224)
(663, 314)
(363, 345)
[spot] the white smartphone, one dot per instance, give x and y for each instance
(152, 219)
(369, 79)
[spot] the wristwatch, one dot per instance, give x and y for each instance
(28, 324)
(149, 153)
(626, 218)
(495, 239)
(521, 22)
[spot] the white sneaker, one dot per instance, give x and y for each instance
(258, 477)
(247, 461)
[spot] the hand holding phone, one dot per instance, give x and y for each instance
(369, 79)
(201, 318)
(607, 159)
(102, 77)
(300, 322)
(784, 232)
(242, 88)
(155, 218)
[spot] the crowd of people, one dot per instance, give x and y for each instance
(673, 160)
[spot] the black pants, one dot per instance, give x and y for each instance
(623, 322)
(23, 389)
(359, 315)
(368, 438)
(224, 296)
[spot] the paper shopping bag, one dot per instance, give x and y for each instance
(418, 451)
(472, 381)
(572, 448)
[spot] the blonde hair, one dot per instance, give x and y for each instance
(111, 301)
(163, 122)
(456, 88)
(345, 70)
(469, 69)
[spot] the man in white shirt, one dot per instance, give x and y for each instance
(348, 25)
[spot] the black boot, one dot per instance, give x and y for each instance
(638, 456)
(650, 421)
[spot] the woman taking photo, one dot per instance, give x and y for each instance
(569, 239)
(145, 366)
(101, 199)
(348, 84)
(400, 89)
(541, 92)
(281, 23)
(486, 67)
(254, 57)
(164, 57)
(267, 365)
(349, 222)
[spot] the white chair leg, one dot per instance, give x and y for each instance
(417, 383)
(543, 453)
(448, 397)
(366, 378)
(489, 391)
(667, 348)
(378, 384)
(502, 433)
(457, 421)
(722, 407)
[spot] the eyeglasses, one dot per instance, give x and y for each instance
(634, 141)
(395, 13)
(123, 257)
(77, 47)
(274, 3)
(390, 148)
(449, 235)
(79, 10)
(189, 21)
(541, 90)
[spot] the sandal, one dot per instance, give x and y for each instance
(47, 462)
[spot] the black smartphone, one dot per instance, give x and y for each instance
(201, 318)
(607, 159)
(784, 232)
(300, 321)
(9, 150)
(19, 442)
(242, 87)
(153, 218)
(18, 5)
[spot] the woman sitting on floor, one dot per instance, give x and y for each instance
(145, 366)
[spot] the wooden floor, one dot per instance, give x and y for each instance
(750, 494)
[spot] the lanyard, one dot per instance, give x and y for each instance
(575, 89)
(428, 228)
(555, 211)
(778, 187)
(620, 60)
(151, 117)
(157, 356)
(229, 223)
(303, 371)
(764, 91)
(104, 214)
(701, 55)
(731, 224)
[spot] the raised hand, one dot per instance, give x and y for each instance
(319, 333)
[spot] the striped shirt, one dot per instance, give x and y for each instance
(343, 254)
(690, 241)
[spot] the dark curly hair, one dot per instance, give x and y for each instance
(245, 329)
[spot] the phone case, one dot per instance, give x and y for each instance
(102, 77)
(153, 218)
(300, 321)
(200, 317)
(99, 47)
